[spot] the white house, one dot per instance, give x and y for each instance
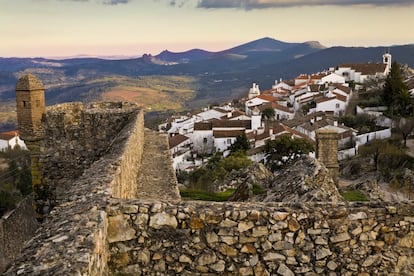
(11, 139)
(223, 139)
(202, 137)
(361, 72)
(337, 104)
(180, 149)
(257, 101)
(331, 78)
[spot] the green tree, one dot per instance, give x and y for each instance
(394, 93)
(283, 150)
(7, 202)
(241, 143)
(268, 113)
(24, 184)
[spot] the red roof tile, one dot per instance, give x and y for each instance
(7, 135)
(203, 126)
(227, 133)
(176, 140)
(366, 68)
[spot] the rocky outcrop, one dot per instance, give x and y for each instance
(243, 181)
(305, 180)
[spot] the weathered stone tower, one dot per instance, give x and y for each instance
(30, 102)
(327, 151)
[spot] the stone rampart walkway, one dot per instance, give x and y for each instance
(157, 179)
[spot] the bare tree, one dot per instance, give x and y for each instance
(405, 126)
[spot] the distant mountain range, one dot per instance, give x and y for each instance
(220, 75)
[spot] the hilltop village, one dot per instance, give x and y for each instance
(109, 201)
(296, 108)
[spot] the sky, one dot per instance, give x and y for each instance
(59, 28)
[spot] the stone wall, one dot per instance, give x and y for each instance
(73, 238)
(193, 238)
(75, 137)
(16, 228)
(327, 151)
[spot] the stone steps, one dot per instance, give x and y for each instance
(157, 179)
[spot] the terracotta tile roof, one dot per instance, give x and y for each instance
(300, 85)
(176, 140)
(203, 126)
(247, 124)
(220, 110)
(340, 97)
(7, 135)
(227, 133)
(346, 89)
(237, 113)
(289, 82)
(267, 98)
(314, 126)
(366, 68)
(275, 106)
(324, 99)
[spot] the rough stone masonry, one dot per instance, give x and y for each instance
(98, 228)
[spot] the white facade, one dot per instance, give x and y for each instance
(202, 141)
(332, 104)
(331, 78)
(252, 103)
(11, 140)
(281, 114)
(254, 91)
(222, 144)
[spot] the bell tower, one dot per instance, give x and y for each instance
(387, 60)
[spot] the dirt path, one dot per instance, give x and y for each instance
(157, 179)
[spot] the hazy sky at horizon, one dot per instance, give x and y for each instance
(133, 27)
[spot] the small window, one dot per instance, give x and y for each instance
(229, 141)
(205, 140)
(337, 105)
(25, 104)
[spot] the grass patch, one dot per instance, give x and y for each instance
(354, 195)
(257, 189)
(207, 196)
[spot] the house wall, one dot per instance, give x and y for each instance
(362, 139)
(4, 144)
(198, 137)
(222, 144)
(331, 106)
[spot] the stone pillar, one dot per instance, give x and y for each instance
(327, 151)
(30, 105)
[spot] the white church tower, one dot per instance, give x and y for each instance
(254, 91)
(387, 59)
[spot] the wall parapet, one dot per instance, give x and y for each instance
(193, 238)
